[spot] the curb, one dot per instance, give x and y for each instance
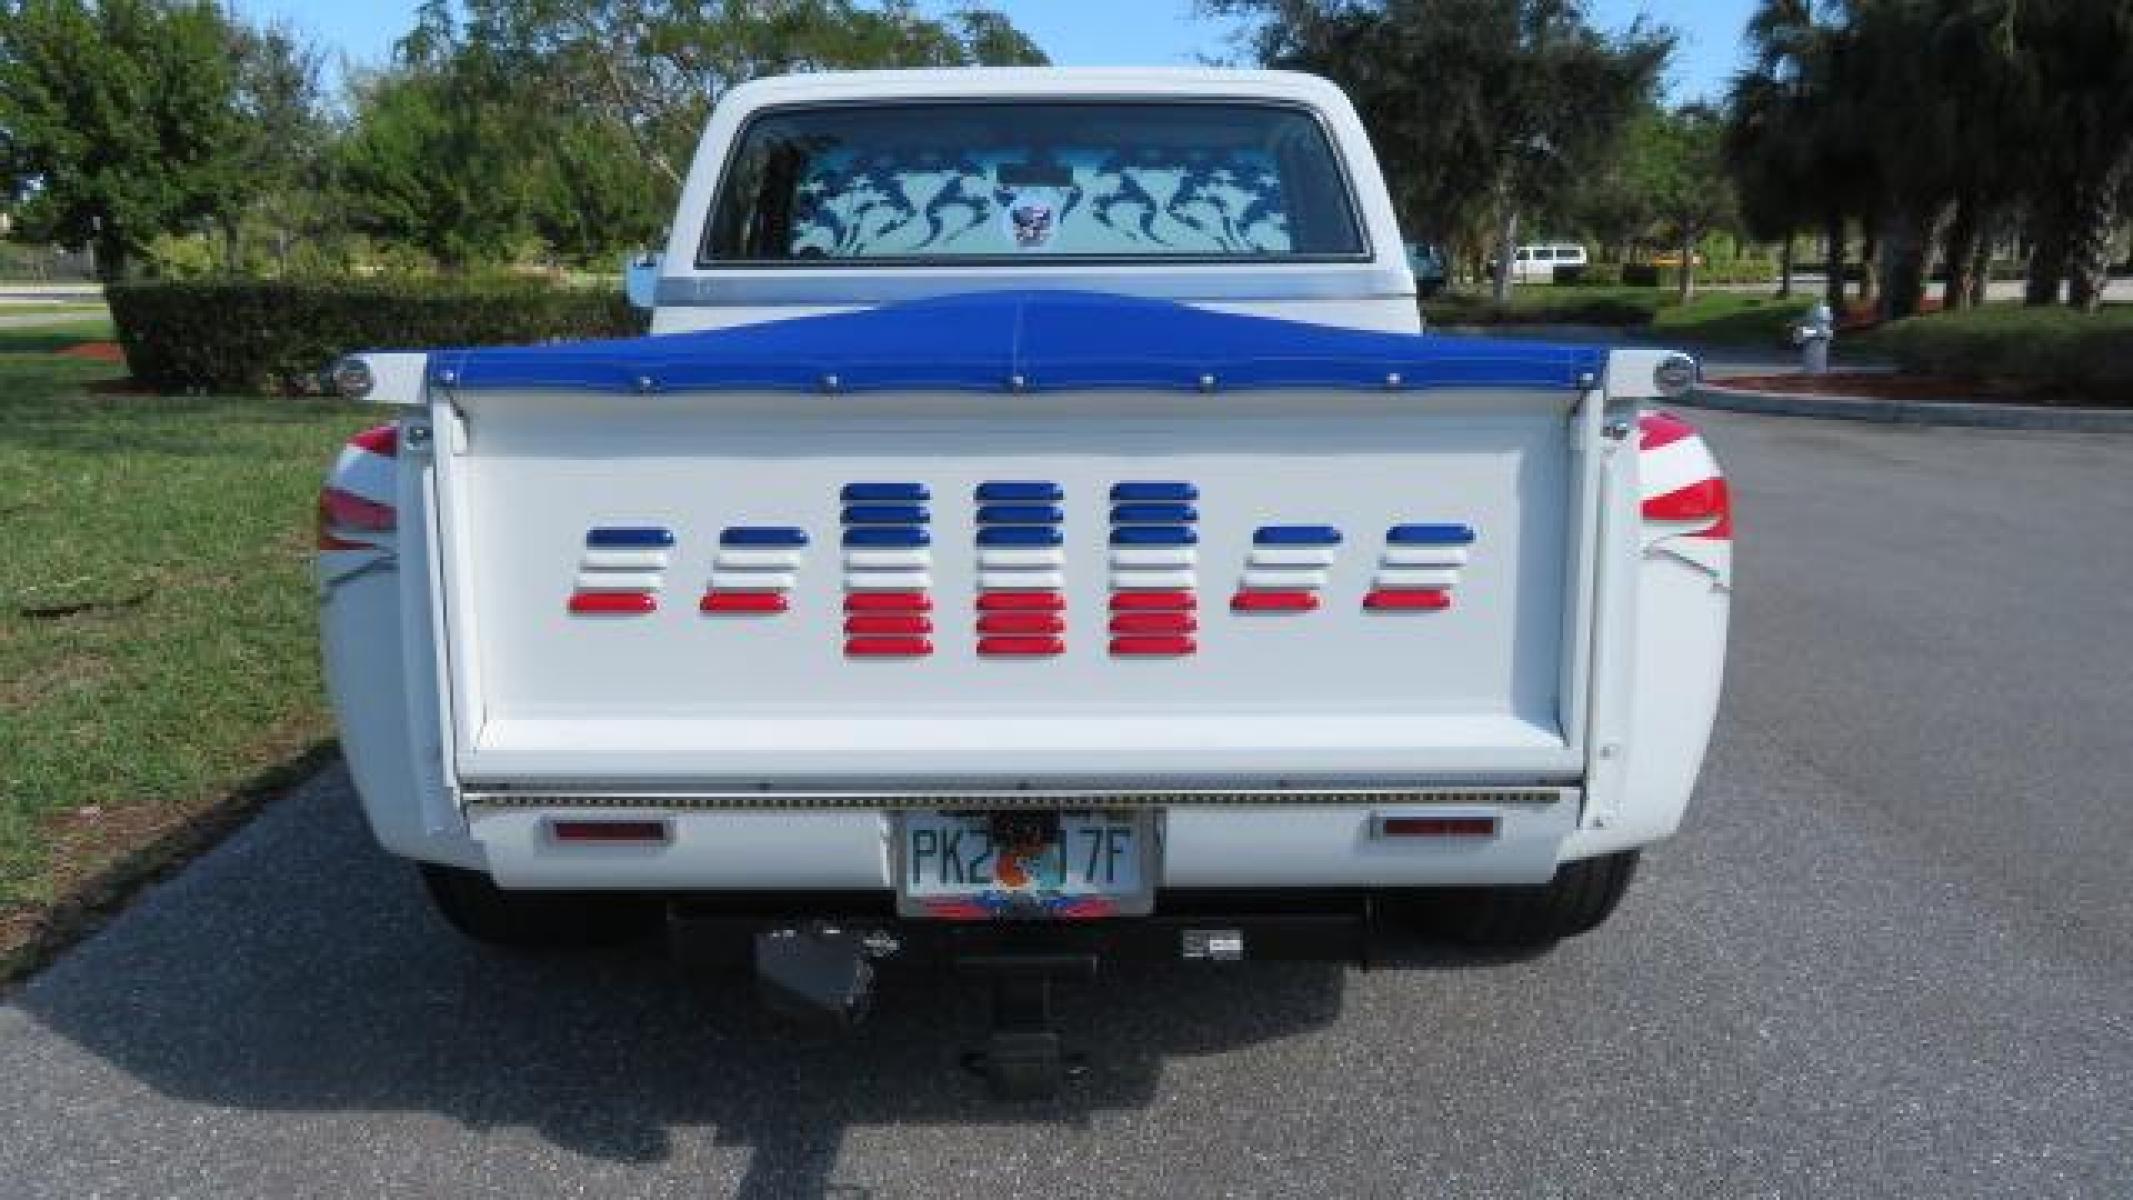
(1911, 412)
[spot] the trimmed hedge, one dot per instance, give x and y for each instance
(2082, 358)
(1544, 306)
(1744, 270)
(252, 336)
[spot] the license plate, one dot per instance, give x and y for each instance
(1056, 866)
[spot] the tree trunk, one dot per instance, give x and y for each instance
(1833, 285)
(112, 254)
(2047, 256)
(1981, 270)
(1687, 288)
(1960, 253)
(1903, 244)
(2094, 219)
(1869, 266)
(1785, 269)
(1507, 238)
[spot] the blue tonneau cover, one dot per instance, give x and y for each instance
(1021, 341)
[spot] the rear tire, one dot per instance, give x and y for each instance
(471, 903)
(1582, 895)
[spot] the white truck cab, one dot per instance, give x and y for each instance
(1035, 533)
(1237, 191)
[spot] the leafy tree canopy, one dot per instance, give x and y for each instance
(120, 120)
(1473, 104)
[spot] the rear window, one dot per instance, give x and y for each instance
(1033, 182)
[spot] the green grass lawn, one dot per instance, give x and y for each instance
(157, 621)
(85, 309)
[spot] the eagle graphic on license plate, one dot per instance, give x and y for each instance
(977, 866)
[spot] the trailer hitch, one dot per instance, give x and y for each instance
(1023, 1058)
(820, 973)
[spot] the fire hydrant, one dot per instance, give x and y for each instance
(1813, 336)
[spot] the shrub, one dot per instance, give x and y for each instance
(1740, 270)
(1544, 306)
(248, 336)
(2086, 356)
(1597, 274)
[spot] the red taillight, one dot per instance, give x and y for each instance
(1437, 827)
(343, 510)
(346, 510)
(1704, 500)
(611, 832)
(1658, 429)
(384, 440)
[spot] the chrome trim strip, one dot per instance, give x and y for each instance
(974, 799)
(740, 287)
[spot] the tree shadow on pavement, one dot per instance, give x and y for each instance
(296, 968)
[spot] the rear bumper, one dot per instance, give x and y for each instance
(1274, 846)
(719, 929)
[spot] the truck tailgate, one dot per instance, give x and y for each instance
(915, 588)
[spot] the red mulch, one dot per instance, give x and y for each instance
(106, 352)
(1886, 385)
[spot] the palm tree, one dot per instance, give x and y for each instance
(2077, 79)
(1770, 141)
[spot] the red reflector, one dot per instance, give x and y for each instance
(609, 831)
(613, 602)
(997, 646)
(888, 623)
(1437, 827)
(1153, 601)
(1022, 622)
(326, 541)
(1662, 429)
(1172, 644)
(745, 602)
(350, 511)
(1696, 502)
(887, 647)
(384, 439)
(1409, 600)
(1021, 602)
(1154, 622)
(1296, 601)
(888, 602)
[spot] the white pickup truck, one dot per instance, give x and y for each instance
(1037, 531)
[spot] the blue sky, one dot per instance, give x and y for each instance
(1089, 32)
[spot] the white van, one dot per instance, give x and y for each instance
(1537, 263)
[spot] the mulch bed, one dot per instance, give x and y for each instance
(105, 352)
(1888, 385)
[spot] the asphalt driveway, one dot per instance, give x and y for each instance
(1891, 955)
